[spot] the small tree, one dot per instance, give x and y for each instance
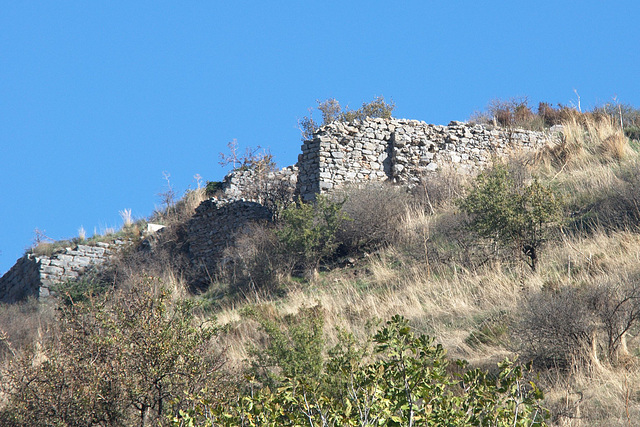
(406, 382)
(122, 359)
(308, 231)
(512, 214)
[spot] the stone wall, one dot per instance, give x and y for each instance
(243, 183)
(34, 275)
(21, 281)
(396, 150)
(215, 224)
(401, 151)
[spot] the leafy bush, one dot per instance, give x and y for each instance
(405, 382)
(113, 361)
(294, 347)
(332, 111)
(80, 291)
(308, 231)
(511, 214)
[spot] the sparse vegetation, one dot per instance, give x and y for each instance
(331, 111)
(512, 212)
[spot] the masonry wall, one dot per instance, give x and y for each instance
(402, 151)
(35, 275)
(215, 225)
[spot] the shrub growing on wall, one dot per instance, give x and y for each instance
(331, 111)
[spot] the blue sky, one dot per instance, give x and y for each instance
(98, 98)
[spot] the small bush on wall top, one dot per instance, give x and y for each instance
(331, 111)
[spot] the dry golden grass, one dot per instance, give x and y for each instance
(451, 300)
(450, 304)
(587, 139)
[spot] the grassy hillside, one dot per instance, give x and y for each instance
(293, 296)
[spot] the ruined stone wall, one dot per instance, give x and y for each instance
(402, 151)
(216, 223)
(21, 281)
(35, 275)
(244, 183)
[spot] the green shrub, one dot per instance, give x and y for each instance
(294, 346)
(308, 231)
(123, 359)
(79, 291)
(510, 213)
(406, 381)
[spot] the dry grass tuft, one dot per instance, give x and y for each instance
(587, 139)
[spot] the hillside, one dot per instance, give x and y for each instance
(495, 241)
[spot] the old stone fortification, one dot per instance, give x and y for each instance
(395, 150)
(35, 275)
(245, 183)
(215, 225)
(401, 151)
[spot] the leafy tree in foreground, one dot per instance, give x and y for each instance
(122, 359)
(512, 214)
(404, 383)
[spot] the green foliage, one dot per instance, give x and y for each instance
(130, 356)
(331, 111)
(308, 231)
(512, 214)
(294, 346)
(79, 291)
(405, 382)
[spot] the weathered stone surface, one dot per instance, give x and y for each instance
(215, 225)
(33, 275)
(397, 150)
(402, 151)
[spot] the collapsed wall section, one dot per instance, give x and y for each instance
(402, 151)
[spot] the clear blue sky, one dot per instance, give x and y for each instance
(98, 98)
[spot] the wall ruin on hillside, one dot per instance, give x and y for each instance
(396, 150)
(401, 151)
(215, 225)
(35, 275)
